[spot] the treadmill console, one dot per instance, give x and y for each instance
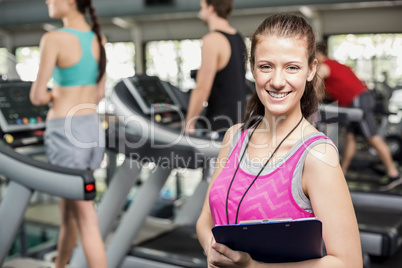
(155, 99)
(20, 121)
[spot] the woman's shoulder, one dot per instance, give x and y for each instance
(54, 36)
(50, 39)
(322, 151)
(61, 34)
(233, 129)
(308, 129)
(230, 134)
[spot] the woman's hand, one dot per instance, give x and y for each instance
(220, 256)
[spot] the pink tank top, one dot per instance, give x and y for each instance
(270, 197)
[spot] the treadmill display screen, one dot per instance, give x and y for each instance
(151, 94)
(17, 113)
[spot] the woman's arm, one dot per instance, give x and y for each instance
(332, 205)
(39, 95)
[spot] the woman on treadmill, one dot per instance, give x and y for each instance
(75, 57)
(276, 164)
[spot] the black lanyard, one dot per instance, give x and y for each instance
(251, 184)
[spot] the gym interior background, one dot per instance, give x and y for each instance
(163, 39)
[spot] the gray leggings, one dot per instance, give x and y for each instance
(75, 142)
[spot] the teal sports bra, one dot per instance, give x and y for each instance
(86, 71)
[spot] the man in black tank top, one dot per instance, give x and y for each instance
(220, 81)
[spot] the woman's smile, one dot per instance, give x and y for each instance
(278, 95)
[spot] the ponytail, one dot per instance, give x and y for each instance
(82, 7)
(97, 29)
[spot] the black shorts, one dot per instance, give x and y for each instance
(367, 126)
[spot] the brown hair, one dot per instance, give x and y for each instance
(82, 7)
(223, 8)
(322, 47)
(288, 26)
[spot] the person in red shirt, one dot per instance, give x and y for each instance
(343, 86)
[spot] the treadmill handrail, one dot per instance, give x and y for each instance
(353, 114)
(41, 176)
(206, 146)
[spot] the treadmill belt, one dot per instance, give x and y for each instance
(380, 231)
(380, 218)
(178, 247)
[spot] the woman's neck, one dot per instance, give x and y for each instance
(77, 21)
(277, 127)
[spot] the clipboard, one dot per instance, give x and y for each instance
(274, 241)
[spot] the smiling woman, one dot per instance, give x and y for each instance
(281, 71)
(271, 166)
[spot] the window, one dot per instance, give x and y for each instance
(375, 58)
(120, 63)
(172, 61)
(3, 62)
(27, 62)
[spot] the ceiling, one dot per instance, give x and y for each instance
(22, 22)
(29, 13)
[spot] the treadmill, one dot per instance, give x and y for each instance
(26, 175)
(145, 129)
(379, 214)
(147, 126)
(21, 123)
